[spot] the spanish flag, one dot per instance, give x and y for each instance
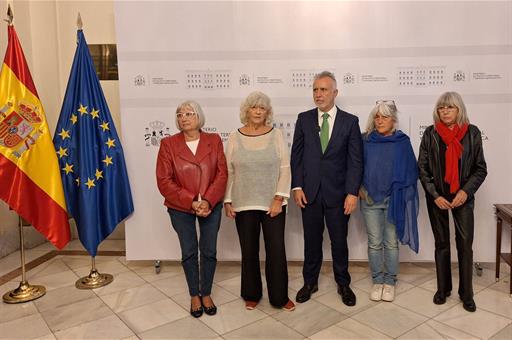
(30, 181)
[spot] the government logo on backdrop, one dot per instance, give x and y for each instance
(155, 132)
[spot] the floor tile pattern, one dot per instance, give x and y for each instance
(143, 304)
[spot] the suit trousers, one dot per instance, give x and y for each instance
(249, 223)
(464, 228)
(315, 216)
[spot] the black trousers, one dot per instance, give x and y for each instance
(314, 218)
(464, 228)
(249, 223)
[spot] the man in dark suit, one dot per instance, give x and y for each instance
(327, 167)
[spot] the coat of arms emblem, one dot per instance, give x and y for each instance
(18, 128)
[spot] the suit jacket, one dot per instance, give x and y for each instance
(181, 176)
(339, 170)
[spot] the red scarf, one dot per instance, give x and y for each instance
(452, 138)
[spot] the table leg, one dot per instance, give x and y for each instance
(510, 278)
(498, 247)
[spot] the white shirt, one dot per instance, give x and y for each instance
(192, 145)
(332, 117)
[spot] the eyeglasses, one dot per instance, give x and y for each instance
(181, 115)
(385, 101)
(446, 107)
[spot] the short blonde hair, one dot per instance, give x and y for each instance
(387, 108)
(255, 99)
(197, 110)
(452, 99)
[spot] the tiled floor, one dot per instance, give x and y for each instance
(141, 304)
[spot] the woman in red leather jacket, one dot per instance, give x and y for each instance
(191, 174)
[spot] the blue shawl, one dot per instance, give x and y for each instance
(390, 170)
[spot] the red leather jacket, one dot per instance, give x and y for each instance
(181, 176)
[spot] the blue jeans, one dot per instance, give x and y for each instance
(199, 282)
(382, 242)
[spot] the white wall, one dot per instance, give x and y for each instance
(47, 30)
(166, 48)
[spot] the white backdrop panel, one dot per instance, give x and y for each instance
(218, 52)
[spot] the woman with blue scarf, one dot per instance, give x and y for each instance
(389, 196)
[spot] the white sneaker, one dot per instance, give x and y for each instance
(388, 293)
(376, 294)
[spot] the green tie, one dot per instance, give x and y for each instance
(324, 132)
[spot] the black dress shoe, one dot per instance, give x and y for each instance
(196, 313)
(305, 292)
(212, 310)
(347, 295)
(470, 305)
(440, 297)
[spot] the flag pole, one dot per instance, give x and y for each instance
(94, 279)
(25, 292)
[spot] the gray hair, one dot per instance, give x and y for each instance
(254, 99)
(452, 99)
(386, 108)
(197, 110)
(327, 74)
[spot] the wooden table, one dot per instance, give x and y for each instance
(503, 214)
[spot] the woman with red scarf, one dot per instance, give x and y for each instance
(451, 169)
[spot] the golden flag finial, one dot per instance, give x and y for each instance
(79, 23)
(10, 16)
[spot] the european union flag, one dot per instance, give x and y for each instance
(90, 155)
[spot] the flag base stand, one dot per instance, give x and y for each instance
(24, 293)
(94, 279)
